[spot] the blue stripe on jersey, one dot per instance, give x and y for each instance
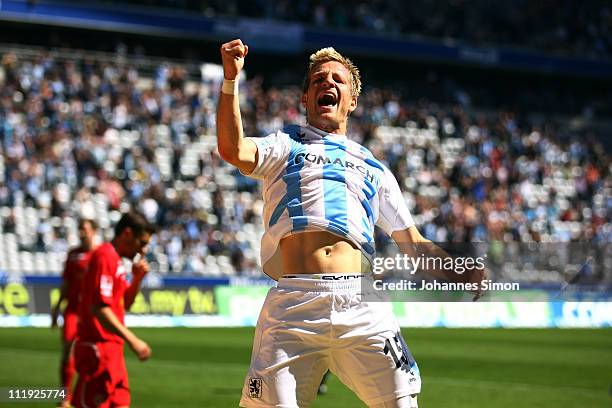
(278, 211)
(367, 223)
(371, 160)
(368, 248)
(333, 143)
(368, 209)
(334, 188)
(292, 200)
(366, 228)
(369, 190)
(375, 163)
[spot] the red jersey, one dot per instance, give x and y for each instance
(103, 283)
(77, 263)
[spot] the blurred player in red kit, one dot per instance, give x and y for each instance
(105, 295)
(77, 263)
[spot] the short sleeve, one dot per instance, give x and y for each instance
(104, 279)
(272, 152)
(394, 214)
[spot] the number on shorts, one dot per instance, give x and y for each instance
(398, 353)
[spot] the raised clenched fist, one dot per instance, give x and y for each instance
(232, 55)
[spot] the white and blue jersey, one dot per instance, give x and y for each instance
(318, 181)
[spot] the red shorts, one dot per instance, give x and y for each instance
(71, 321)
(103, 380)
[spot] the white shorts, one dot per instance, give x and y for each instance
(309, 325)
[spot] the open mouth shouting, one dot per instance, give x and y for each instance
(327, 100)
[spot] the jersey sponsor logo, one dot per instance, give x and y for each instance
(106, 286)
(320, 159)
(316, 276)
(340, 277)
(255, 387)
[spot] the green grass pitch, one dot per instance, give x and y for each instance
(493, 368)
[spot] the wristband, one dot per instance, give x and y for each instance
(230, 87)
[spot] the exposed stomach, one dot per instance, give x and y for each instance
(319, 252)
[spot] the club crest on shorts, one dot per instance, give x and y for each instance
(254, 387)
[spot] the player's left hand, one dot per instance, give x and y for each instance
(140, 268)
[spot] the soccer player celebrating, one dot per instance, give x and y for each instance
(77, 262)
(323, 194)
(103, 380)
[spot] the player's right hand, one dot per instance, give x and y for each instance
(232, 55)
(141, 349)
(140, 268)
(477, 276)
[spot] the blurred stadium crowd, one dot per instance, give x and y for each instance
(569, 27)
(89, 138)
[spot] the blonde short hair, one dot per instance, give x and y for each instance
(329, 54)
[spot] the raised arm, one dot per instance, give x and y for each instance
(412, 243)
(233, 147)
